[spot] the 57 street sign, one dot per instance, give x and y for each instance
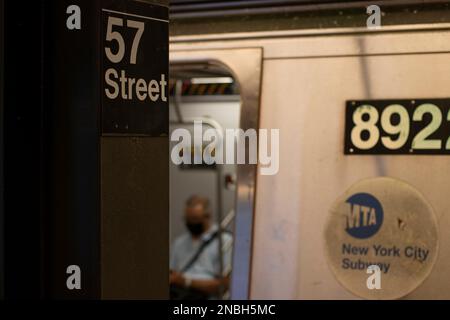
(134, 70)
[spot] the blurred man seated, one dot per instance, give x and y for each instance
(195, 264)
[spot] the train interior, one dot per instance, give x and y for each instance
(207, 95)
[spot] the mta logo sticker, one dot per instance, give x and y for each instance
(364, 216)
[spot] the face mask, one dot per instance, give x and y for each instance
(195, 229)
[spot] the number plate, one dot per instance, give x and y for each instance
(417, 126)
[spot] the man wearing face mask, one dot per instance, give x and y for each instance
(195, 263)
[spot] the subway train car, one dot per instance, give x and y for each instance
(362, 113)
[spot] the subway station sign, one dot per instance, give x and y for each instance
(386, 223)
(134, 68)
(409, 127)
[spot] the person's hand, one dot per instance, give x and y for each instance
(176, 279)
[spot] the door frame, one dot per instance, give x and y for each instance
(245, 64)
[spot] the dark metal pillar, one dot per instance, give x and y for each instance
(73, 195)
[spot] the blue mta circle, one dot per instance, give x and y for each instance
(364, 216)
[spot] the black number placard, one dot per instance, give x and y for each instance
(134, 69)
(415, 126)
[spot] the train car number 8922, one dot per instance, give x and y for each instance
(417, 126)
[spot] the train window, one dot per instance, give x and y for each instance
(202, 192)
(219, 89)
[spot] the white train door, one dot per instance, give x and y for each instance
(307, 84)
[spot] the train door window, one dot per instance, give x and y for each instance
(212, 92)
(202, 190)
